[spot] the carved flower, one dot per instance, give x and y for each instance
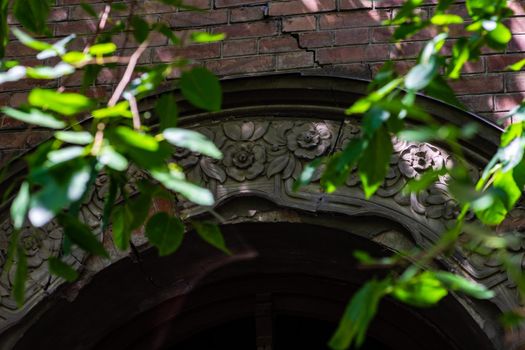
(244, 160)
(418, 158)
(309, 140)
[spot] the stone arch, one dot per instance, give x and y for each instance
(269, 128)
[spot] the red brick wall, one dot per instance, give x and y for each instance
(340, 36)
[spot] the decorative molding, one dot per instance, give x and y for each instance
(263, 156)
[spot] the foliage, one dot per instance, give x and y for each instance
(115, 139)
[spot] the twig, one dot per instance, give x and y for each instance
(134, 112)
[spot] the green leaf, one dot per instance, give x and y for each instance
(21, 272)
(307, 174)
(166, 111)
(13, 74)
(375, 161)
(445, 19)
(194, 193)
(112, 159)
(56, 49)
(20, 206)
(202, 89)
(374, 118)
(423, 290)
(165, 233)
(102, 49)
(422, 74)
(517, 66)
(32, 14)
(121, 109)
(75, 57)
(163, 29)
(140, 28)
(192, 140)
(80, 234)
(36, 117)
(204, 37)
(61, 269)
(137, 139)
(121, 230)
(340, 165)
(65, 154)
(139, 206)
(499, 36)
(358, 314)
(439, 88)
(461, 284)
(4, 27)
(63, 103)
(74, 137)
(55, 72)
(211, 233)
(89, 9)
(424, 181)
(28, 41)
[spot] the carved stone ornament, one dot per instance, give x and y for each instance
(263, 156)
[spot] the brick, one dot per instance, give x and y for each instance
(516, 25)
(195, 19)
(499, 63)
(516, 44)
(231, 3)
(508, 101)
(246, 14)
(351, 36)
(76, 27)
(515, 82)
(239, 47)
(316, 39)
(352, 54)
(300, 6)
(406, 49)
(355, 4)
(478, 103)
(361, 18)
(242, 65)
(278, 44)
(478, 84)
(298, 24)
(384, 34)
(295, 60)
(246, 30)
(203, 51)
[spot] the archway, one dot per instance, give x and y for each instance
(258, 130)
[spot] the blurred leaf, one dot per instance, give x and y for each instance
(112, 159)
(137, 139)
(63, 103)
(375, 161)
(204, 37)
(422, 74)
(202, 89)
(121, 109)
(32, 14)
(20, 206)
(4, 27)
(517, 66)
(358, 314)
(140, 28)
(36, 117)
(75, 57)
(55, 72)
(13, 74)
(88, 8)
(102, 49)
(439, 88)
(339, 166)
(192, 140)
(81, 235)
(59, 268)
(56, 49)
(167, 32)
(139, 206)
(166, 111)
(19, 284)
(460, 284)
(499, 37)
(74, 137)
(211, 234)
(121, 230)
(424, 181)
(445, 19)
(28, 41)
(65, 154)
(194, 193)
(511, 319)
(423, 290)
(307, 174)
(165, 232)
